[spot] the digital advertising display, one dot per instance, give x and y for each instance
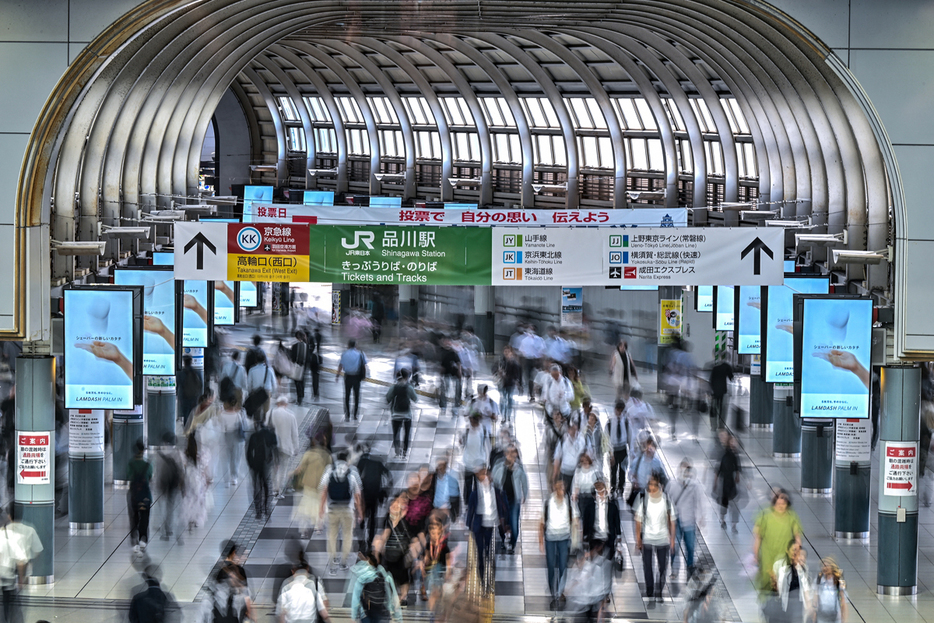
(225, 293)
(385, 202)
(247, 295)
(723, 308)
(703, 298)
(254, 195)
(777, 327)
(748, 320)
(158, 315)
(318, 198)
(789, 266)
(638, 288)
(102, 354)
(833, 347)
(197, 310)
(163, 258)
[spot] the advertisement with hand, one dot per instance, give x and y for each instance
(98, 349)
(779, 342)
(749, 320)
(224, 303)
(836, 340)
(158, 316)
(723, 308)
(195, 315)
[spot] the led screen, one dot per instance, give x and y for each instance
(638, 288)
(318, 198)
(789, 266)
(224, 295)
(836, 340)
(460, 206)
(749, 320)
(778, 330)
(703, 298)
(248, 296)
(257, 195)
(99, 349)
(195, 315)
(163, 259)
(158, 316)
(385, 202)
(723, 311)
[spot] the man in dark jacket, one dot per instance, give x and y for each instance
(721, 371)
(600, 515)
(299, 354)
(190, 388)
(377, 482)
(151, 604)
(487, 511)
(260, 457)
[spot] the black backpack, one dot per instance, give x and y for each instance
(230, 614)
(339, 488)
(373, 597)
(170, 474)
(400, 399)
(371, 476)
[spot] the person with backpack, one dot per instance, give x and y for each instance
(139, 498)
(301, 599)
(687, 497)
(234, 371)
(377, 481)
(509, 476)
(340, 489)
(260, 386)
(171, 483)
(559, 520)
(300, 354)
(655, 535)
(261, 455)
(230, 600)
(400, 398)
(617, 433)
(151, 603)
(644, 466)
(374, 595)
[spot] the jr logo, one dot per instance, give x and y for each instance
(366, 237)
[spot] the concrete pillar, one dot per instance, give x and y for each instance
(899, 429)
(408, 303)
(280, 298)
(852, 478)
(160, 409)
(786, 432)
(761, 396)
(127, 429)
(484, 306)
(34, 504)
(817, 457)
(86, 470)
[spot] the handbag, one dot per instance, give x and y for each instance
(619, 560)
(258, 397)
(286, 367)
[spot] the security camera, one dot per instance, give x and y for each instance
(847, 256)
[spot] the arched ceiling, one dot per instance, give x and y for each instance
(123, 130)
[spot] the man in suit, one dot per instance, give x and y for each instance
(300, 355)
(600, 515)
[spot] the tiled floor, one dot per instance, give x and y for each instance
(96, 574)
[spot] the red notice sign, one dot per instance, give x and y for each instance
(900, 475)
(33, 458)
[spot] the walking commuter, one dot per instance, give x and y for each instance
(510, 381)
(261, 455)
(450, 364)
(774, 529)
(308, 475)
(593, 435)
(644, 466)
(476, 445)
(400, 398)
(231, 423)
(531, 348)
(299, 355)
(727, 482)
(617, 432)
(353, 366)
(254, 354)
(687, 497)
(486, 511)
(374, 598)
(557, 392)
(447, 491)
(139, 498)
(794, 594)
(190, 388)
(197, 497)
(509, 476)
(830, 593)
(396, 539)
(340, 489)
(600, 521)
(487, 408)
(260, 387)
(314, 363)
(435, 563)
(586, 474)
(283, 423)
(559, 519)
(377, 482)
(623, 370)
(655, 535)
(567, 456)
(719, 374)
(302, 599)
(639, 414)
(170, 474)
(152, 603)
(233, 370)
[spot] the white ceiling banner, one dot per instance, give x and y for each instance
(350, 215)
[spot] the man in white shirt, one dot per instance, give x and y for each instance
(531, 348)
(487, 408)
(260, 375)
(617, 432)
(639, 413)
(301, 599)
(655, 536)
(353, 366)
(476, 445)
(559, 517)
(283, 423)
(557, 392)
(567, 455)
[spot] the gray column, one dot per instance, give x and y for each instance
(852, 478)
(160, 408)
(899, 421)
(408, 303)
(484, 305)
(280, 298)
(35, 413)
(127, 429)
(817, 457)
(86, 470)
(786, 432)
(761, 396)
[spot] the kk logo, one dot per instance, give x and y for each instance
(249, 239)
(366, 237)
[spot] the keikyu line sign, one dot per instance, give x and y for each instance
(265, 252)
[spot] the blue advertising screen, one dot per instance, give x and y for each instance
(749, 320)
(318, 198)
(385, 202)
(195, 315)
(248, 296)
(160, 258)
(257, 195)
(224, 292)
(158, 316)
(836, 340)
(99, 349)
(723, 316)
(779, 342)
(460, 206)
(703, 298)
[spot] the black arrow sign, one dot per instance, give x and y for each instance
(202, 242)
(756, 246)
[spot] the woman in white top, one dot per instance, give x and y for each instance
(655, 535)
(230, 422)
(584, 476)
(559, 520)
